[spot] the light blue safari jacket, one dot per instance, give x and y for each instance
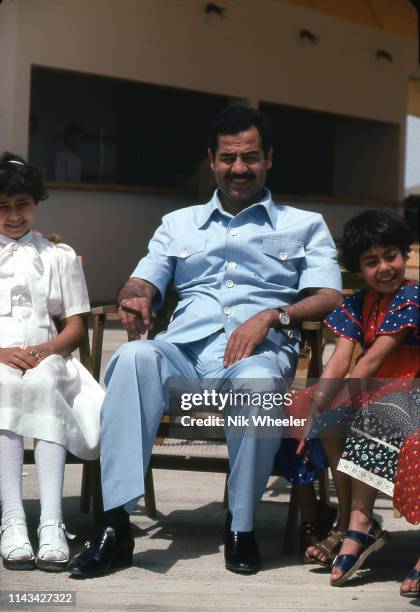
(228, 268)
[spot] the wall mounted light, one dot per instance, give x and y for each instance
(215, 9)
(383, 55)
(308, 35)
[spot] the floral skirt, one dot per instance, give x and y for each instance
(376, 435)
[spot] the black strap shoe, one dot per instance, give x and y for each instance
(109, 547)
(242, 554)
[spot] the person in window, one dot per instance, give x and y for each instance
(248, 271)
(67, 163)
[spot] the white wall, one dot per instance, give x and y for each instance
(8, 48)
(412, 153)
(253, 53)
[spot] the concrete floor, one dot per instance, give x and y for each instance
(178, 562)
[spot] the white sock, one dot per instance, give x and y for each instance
(50, 461)
(11, 462)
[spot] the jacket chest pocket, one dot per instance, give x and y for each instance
(283, 257)
(189, 258)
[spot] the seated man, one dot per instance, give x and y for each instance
(248, 271)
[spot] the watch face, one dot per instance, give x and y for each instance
(284, 318)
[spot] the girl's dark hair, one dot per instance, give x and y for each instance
(17, 176)
(235, 119)
(372, 228)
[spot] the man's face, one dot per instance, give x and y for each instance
(240, 166)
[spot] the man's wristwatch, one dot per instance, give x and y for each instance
(284, 317)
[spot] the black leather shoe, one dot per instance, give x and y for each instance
(242, 554)
(108, 548)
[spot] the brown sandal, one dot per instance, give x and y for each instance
(312, 532)
(329, 547)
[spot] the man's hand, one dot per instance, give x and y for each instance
(140, 323)
(137, 294)
(18, 358)
(247, 336)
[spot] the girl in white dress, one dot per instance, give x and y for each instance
(45, 393)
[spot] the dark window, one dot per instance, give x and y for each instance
(121, 132)
(303, 151)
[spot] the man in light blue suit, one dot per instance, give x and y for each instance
(247, 271)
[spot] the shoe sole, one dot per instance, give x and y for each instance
(19, 564)
(51, 566)
(236, 570)
(411, 594)
(384, 539)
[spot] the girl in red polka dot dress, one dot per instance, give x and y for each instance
(381, 393)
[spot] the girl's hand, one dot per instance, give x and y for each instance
(18, 358)
(319, 404)
(39, 352)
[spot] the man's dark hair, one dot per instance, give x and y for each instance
(17, 176)
(235, 119)
(377, 227)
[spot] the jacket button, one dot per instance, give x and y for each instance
(283, 255)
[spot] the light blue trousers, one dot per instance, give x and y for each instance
(137, 381)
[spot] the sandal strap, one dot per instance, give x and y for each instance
(413, 574)
(20, 540)
(52, 523)
(345, 562)
(365, 539)
(329, 546)
(12, 522)
(356, 536)
(16, 537)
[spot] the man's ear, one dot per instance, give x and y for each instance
(211, 158)
(269, 158)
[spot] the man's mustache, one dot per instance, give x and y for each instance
(248, 175)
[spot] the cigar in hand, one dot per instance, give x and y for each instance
(135, 312)
(131, 310)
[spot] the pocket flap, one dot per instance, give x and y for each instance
(185, 248)
(283, 249)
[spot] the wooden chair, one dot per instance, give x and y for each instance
(310, 364)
